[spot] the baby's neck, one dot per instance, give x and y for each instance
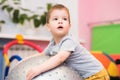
(58, 39)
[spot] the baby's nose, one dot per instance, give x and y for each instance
(60, 22)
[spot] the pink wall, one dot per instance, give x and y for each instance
(91, 11)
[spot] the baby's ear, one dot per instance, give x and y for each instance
(70, 25)
(47, 26)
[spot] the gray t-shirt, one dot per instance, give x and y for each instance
(80, 59)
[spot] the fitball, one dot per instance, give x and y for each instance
(61, 72)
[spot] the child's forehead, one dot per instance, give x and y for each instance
(58, 12)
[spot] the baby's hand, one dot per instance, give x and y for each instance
(32, 73)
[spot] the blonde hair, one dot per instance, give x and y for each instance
(57, 6)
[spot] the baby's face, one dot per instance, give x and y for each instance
(59, 24)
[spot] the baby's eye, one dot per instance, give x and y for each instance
(65, 19)
(55, 18)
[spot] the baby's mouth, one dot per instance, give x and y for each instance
(60, 27)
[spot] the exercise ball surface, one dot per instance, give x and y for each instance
(61, 72)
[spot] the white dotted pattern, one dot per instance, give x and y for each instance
(60, 73)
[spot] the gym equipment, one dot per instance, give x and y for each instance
(61, 72)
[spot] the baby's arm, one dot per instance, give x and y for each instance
(37, 54)
(49, 64)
